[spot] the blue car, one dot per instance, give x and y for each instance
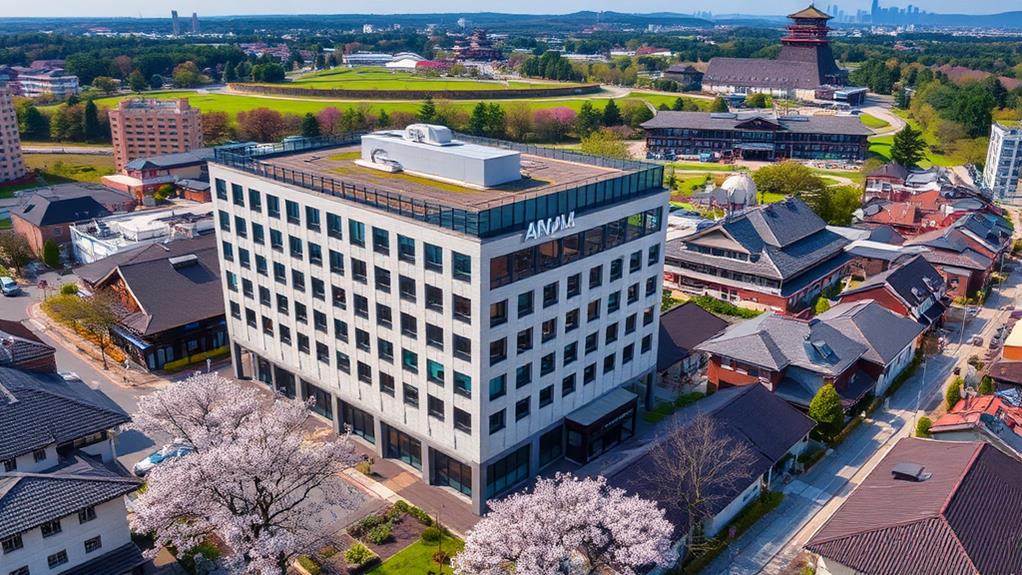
(166, 453)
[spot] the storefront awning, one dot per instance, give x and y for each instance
(602, 406)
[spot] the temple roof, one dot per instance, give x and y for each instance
(810, 12)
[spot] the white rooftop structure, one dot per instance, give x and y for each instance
(431, 151)
(97, 239)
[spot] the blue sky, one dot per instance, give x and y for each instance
(162, 8)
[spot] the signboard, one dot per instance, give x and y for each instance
(550, 226)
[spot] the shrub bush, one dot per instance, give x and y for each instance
(379, 535)
(714, 305)
(665, 408)
(923, 427)
(420, 515)
(358, 554)
(69, 289)
(688, 399)
(365, 525)
(309, 565)
(431, 534)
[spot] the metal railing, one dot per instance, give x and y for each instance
(495, 217)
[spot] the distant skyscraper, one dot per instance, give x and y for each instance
(875, 11)
(195, 23)
(175, 26)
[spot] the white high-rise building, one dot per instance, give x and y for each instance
(12, 166)
(1003, 166)
(477, 311)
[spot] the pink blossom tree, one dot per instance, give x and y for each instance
(255, 481)
(568, 526)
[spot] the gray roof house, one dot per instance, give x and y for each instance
(854, 346)
(59, 474)
(913, 289)
(751, 415)
(782, 254)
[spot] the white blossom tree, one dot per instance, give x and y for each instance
(568, 526)
(254, 481)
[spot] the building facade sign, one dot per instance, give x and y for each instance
(550, 226)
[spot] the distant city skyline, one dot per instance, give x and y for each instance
(162, 8)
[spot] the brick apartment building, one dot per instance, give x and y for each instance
(11, 165)
(142, 128)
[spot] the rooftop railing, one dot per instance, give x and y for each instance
(499, 216)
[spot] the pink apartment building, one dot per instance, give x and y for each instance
(142, 128)
(11, 165)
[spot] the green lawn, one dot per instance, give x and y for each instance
(417, 558)
(656, 99)
(234, 103)
(873, 122)
(5, 224)
(58, 168)
(704, 167)
(381, 79)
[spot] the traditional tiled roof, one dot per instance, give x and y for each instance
(749, 414)
(845, 125)
(173, 294)
(883, 332)
(99, 269)
(961, 520)
(681, 330)
(776, 342)
(912, 282)
(19, 345)
(783, 239)
(28, 500)
(40, 409)
(810, 12)
(121, 560)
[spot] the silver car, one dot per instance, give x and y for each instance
(9, 287)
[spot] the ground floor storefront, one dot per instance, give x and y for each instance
(175, 347)
(582, 435)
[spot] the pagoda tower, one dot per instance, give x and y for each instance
(807, 42)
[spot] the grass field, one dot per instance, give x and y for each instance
(59, 168)
(234, 103)
(417, 558)
(873, 122)
(380, 79)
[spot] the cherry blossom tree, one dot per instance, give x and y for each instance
(568, 526)
(255, 481)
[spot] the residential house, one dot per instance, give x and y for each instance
(995, 418)
(778, 256)
(859, 348)
(965, 264)
(143, 176)
(62, 491)
(47, 213)
(172, 299)
(681, 330)
(775, 432)
(913, 289)
(22, 349)
(929, 506)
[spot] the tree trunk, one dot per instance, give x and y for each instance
(102, 353)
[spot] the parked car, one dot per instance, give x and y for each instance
(1017, 314)
(179, 448)
(9, 287)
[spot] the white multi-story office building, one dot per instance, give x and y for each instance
(475, 311)
(1003, 166)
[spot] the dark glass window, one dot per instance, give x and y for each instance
(334, 227)
(356, 232)
(498, 386)
(550, 292)
(525, 304)
(381, 241)
(461, 266)
(462, 308)
(522, 408)
(498, 313)
(497, 421)
(405, 249)
(524, 340)
(434, 256)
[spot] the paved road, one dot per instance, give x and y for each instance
(812, 498)
(131, 446)
(68, 149)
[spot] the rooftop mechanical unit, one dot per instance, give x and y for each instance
(431, 151)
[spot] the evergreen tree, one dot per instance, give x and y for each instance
(51, 254)
(986, 385)
(678, 105)
(310, 126)
(90, 121)
(496, 121)
(230, 72)
(826, 409)
(611, 114)
(477, 122)
(953, 393)
(383, 120)
(908, 147)
(719, 105)
(156, 82)
(901, 99)
(588, 120)
(663, 107)
(427, 111)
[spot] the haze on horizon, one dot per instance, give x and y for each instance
(162, 8)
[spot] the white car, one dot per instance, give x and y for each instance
(9, 287)
(179, 448)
